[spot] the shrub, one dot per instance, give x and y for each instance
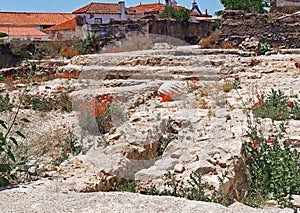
(194, 189)
(253, 6)
(210, 42)
(126, 186)
(276, 106)
(44, 103)
(182, 14)
(11, 166)
(90, 44)
(228, 85)
(264, 48)
(5, 104)
(3, 35)
(64, 102)
(72, 147)
(40, 103)
(103, 111)
(227, 45)
(273, 170)
(164, 142)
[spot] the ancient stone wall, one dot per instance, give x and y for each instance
(237, 26)
(115, 29)
(189, 32)
(7, 59)
(285, 6)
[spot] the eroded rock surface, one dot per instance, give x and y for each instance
(205, 123)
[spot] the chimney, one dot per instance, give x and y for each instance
(168, 3)
(173, 2)
(122, 9)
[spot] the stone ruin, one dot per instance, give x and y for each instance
(279, 32)
(284, 6)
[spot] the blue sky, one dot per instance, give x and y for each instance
(71, 5)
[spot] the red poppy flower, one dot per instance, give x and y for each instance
(289, 104)
(269, 141)
(258, 96)
(255, 143)
(104, 103)
(109, 97)
(257, 105)
(236, 76)
(250, 99)
(224, 78)
(194, 80)
(165, 98)
(65, 151)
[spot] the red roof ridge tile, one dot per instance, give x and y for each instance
(33, 19)
(93, 7)
(67, 25)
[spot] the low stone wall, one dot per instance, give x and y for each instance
(114, 30)
(285, 6)
(7, 59)
(189, 32)
(238, 25)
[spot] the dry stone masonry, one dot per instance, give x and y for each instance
(280, 31)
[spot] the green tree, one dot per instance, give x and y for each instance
(182, 14)
(251, 6)
(3, 35)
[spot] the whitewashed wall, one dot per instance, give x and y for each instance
(283, 3)
(90, 18)
(32, 38)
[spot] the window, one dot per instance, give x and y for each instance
(98, 20)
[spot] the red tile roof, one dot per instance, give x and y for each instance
(154, 8)
(101, 8)
(33, 19)
(148, 8)
(21, 31)
(68, 25)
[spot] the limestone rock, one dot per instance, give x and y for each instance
(296, 201)
(250, 45)
(175, 89)
(179, 168)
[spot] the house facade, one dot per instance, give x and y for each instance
(63, 31)
(97, 14)
(89, 17)
(83, 21)
(100, 13)
(23, 33)
(24, 25)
